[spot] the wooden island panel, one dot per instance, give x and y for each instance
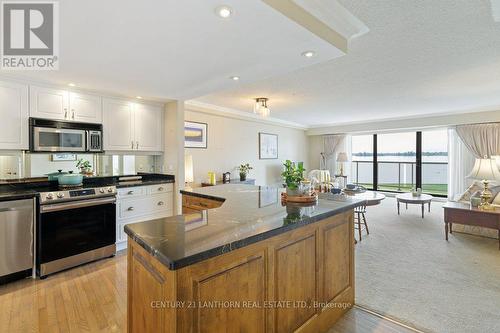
(312, 263)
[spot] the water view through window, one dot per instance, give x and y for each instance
(396, 161)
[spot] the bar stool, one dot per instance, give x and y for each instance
(359, 217)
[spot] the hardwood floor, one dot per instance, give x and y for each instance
(90, 298)
(93, 298)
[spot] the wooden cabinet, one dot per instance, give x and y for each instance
(298, 281)
(131, 126)
(192, 204)
(14, 116)
(141, 203)
(49, 103)
(60, 104)
(85, 107)
(118, 129)
(148, 127)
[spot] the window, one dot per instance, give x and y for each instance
(400, 162)
(362, 160)
(435, 162)
(396, 156)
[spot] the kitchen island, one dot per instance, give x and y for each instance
(246, 263)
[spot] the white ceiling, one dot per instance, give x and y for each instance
(419, 58)
(176, 49)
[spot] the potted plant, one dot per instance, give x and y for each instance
(85, 166)
(244, 169)
(292, 175)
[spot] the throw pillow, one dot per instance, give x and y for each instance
(476, 186)
(495, 190)
(496, 200)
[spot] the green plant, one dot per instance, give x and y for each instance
(244, 168)
(293, 174)
(83, 164)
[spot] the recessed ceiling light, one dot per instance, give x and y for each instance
(309, 54)
(224, 11)
(138, 97)
(234, 78)
(71, 84)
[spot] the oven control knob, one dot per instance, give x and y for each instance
(50, 196)
(110, 189)
(101, 190)
(60, 195)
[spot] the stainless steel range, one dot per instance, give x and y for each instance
(75, 226)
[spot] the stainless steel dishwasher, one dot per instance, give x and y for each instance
(16, 239)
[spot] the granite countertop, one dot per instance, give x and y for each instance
(248, 214)
(26, 190)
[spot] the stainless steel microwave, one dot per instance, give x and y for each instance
(60, 136)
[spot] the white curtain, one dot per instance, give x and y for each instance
(460, 163)
(332, 145)
(483, 140)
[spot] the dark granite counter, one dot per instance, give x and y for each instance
(24, 189)
(248, 214)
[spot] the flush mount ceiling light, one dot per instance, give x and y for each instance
(234, 78)
(260, 107)
(138, 97)
(224, 11)
(309, 54)
(71, 84)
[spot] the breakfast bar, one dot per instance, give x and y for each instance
(241, 261)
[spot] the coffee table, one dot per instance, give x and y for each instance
(408, 198)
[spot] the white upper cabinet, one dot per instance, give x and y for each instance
(59, 104)
(49, 103)
(14, 116)
(85, 108)
(118, 130)
(148, 120)
(132, 126)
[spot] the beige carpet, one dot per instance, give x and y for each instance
(406, 270)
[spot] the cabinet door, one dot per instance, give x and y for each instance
(117, 124)
(85, 108)
(148, 127)
(49, 103)
(14, 115)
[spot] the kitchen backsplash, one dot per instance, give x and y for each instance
(25, 165)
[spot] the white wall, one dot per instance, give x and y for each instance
(232, 142)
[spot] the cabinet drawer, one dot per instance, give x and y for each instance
(145, 205)
(129, 192)
(197, 203)
(161, 188)
(160, 202)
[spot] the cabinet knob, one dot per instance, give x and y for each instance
(160, 188)
(137, 145)
(132, 144)
(130, 209)
(130, 192)
(161, 203)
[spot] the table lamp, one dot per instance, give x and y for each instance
(486, 170)
(342, 158)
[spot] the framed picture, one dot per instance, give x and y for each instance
(268, 196)
(268, 146)
(195, 134)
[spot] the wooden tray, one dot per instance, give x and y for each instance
(299, 199)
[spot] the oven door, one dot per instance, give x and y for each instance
(58, 140)
(75, 227)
